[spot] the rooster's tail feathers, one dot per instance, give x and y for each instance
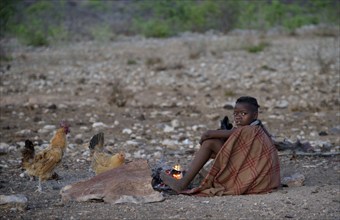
(97, 142)
(28, 151)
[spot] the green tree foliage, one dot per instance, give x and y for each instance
(174, 16)
(7, 11)
(264, 15)
(39, 22)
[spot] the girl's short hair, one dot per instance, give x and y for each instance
(249, 100)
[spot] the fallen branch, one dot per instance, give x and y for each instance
(287, 145)
(320, 154)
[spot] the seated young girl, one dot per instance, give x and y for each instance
(246, 160)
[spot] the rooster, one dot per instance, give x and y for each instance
(102, 162)
(43, 163)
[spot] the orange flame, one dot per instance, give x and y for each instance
(177, 167)
(178, 173)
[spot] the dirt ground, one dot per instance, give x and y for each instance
(154, 98)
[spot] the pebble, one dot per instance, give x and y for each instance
(139, 154)
(157, 155)
(175, 123)
(78, 139)
(186, 142)
(127, 131)
(172, 144)
(296, 179)
(335, 130)
(99, 125)
(86, 153)
(21, 143)
(50, 127)
(168, 129)
(323, 133)
(84, 128)
(213, 116)
(281, 104)
(197, 127)
(62, 106)
(46, 129)
(4, 148)
(132, 143)
(25, 132)
(3, 166)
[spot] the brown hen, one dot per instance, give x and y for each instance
(42, 164)
(101, 161)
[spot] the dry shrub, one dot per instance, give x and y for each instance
(157, 64)
(217, 46)
(196, 48)
(323, 59)
(118, 96)
(152, 61)
(170, 66)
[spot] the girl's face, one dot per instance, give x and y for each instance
(244, 114)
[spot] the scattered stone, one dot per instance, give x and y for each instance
(84, 128)
(316, 190)
(62, 106)
(4, 148)
(78, 141)
(141, 117)
(323, 133)
(335, 130)
(168, 129)
(50, 127)
(187, 142)
(25, 132)
(17, 201)
(132, 143)
(52, 107)
(36, 119)
(98, 125)
(281, 104)
(127, 131)
(296, 179)
(46, 129)
(213, 116)
(172, 144)
(175, 123)
(139, 154)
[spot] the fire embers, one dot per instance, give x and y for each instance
(158, 184)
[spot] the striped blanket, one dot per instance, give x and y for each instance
(246, 164)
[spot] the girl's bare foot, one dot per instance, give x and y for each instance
(173, 183)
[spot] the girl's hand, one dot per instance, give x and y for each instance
(204, 137)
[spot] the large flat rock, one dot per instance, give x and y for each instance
(129, 183)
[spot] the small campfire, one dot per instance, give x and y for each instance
(158, 184)
(175, 172)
